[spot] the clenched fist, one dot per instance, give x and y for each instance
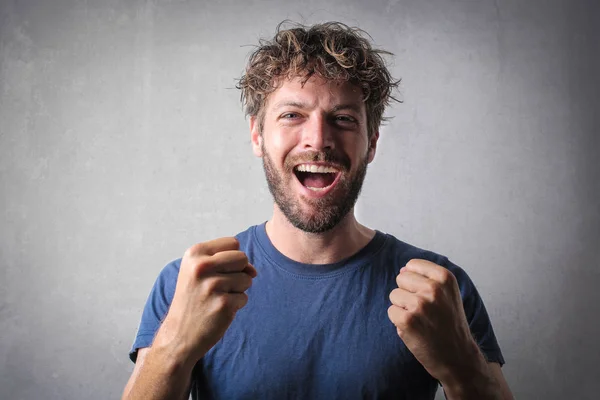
(428, 313)
(210, 290)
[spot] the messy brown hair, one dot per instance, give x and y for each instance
(332, 51)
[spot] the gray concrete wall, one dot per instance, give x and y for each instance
(122, 142)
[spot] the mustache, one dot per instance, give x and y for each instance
(340, 160)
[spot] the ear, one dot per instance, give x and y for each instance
(256, 137)
(373, 145)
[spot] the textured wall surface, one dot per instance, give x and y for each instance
(122, 142)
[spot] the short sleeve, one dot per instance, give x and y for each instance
(477, 316)
(156, 307)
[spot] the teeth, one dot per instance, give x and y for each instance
(315, 168)
(316, 189)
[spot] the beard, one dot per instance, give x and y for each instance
(326, 212)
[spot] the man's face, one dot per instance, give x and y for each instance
(315, 150)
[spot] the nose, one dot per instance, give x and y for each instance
(318, 134)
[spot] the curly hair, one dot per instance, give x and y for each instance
(332, 51)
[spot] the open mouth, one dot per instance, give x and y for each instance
(316, 177)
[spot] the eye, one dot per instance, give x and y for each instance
(345, 121)
(345, 118)
(289, 115)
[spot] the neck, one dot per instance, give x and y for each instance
(341, 242)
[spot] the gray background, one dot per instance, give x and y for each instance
(122, 143)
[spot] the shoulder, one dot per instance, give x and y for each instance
(403, 252)
(472, 301)
(247, 237)
(169, 273)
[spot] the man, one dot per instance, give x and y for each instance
(312, 304)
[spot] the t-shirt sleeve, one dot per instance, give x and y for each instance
(477, 316)
(156, 307)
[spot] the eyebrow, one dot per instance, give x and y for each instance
(349, 106)
(298, 104)
(290, 103)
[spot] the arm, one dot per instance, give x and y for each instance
(210, 288)
(157, 375)
(498, 376)
(427, 309)
(486, 383)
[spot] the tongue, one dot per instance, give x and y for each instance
(317, 180)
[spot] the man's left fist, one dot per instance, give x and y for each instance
(428, 313)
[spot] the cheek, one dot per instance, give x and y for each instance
(283, 139)
(279, 146)
(357, 151)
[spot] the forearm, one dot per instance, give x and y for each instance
(162, 376)
(473, 380)
(482, 387)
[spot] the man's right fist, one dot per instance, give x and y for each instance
(210, 290)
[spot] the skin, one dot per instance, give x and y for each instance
(298, 131)
(429, 317)
(210, 288)
(304, 124)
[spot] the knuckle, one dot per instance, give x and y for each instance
(420, 305)
(446, 276)
(452, 278)
(229, 303)
(211, 284)
(428, 287)
(394, 315)
(243, 256)
(222, 302)
(432, 289)
(435, 296)
(201, 265)
(194, 250)
(393, 296)
(402, 319)
(437, 293)
(390, 313)
(407, 318)
(234, 242)
(189, 253)
(398, 279)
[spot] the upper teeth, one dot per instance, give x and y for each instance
(315, 168)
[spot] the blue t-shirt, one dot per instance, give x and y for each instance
(317, 331)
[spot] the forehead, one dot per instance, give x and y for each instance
(315, 93)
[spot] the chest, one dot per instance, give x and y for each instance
(314, 339)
